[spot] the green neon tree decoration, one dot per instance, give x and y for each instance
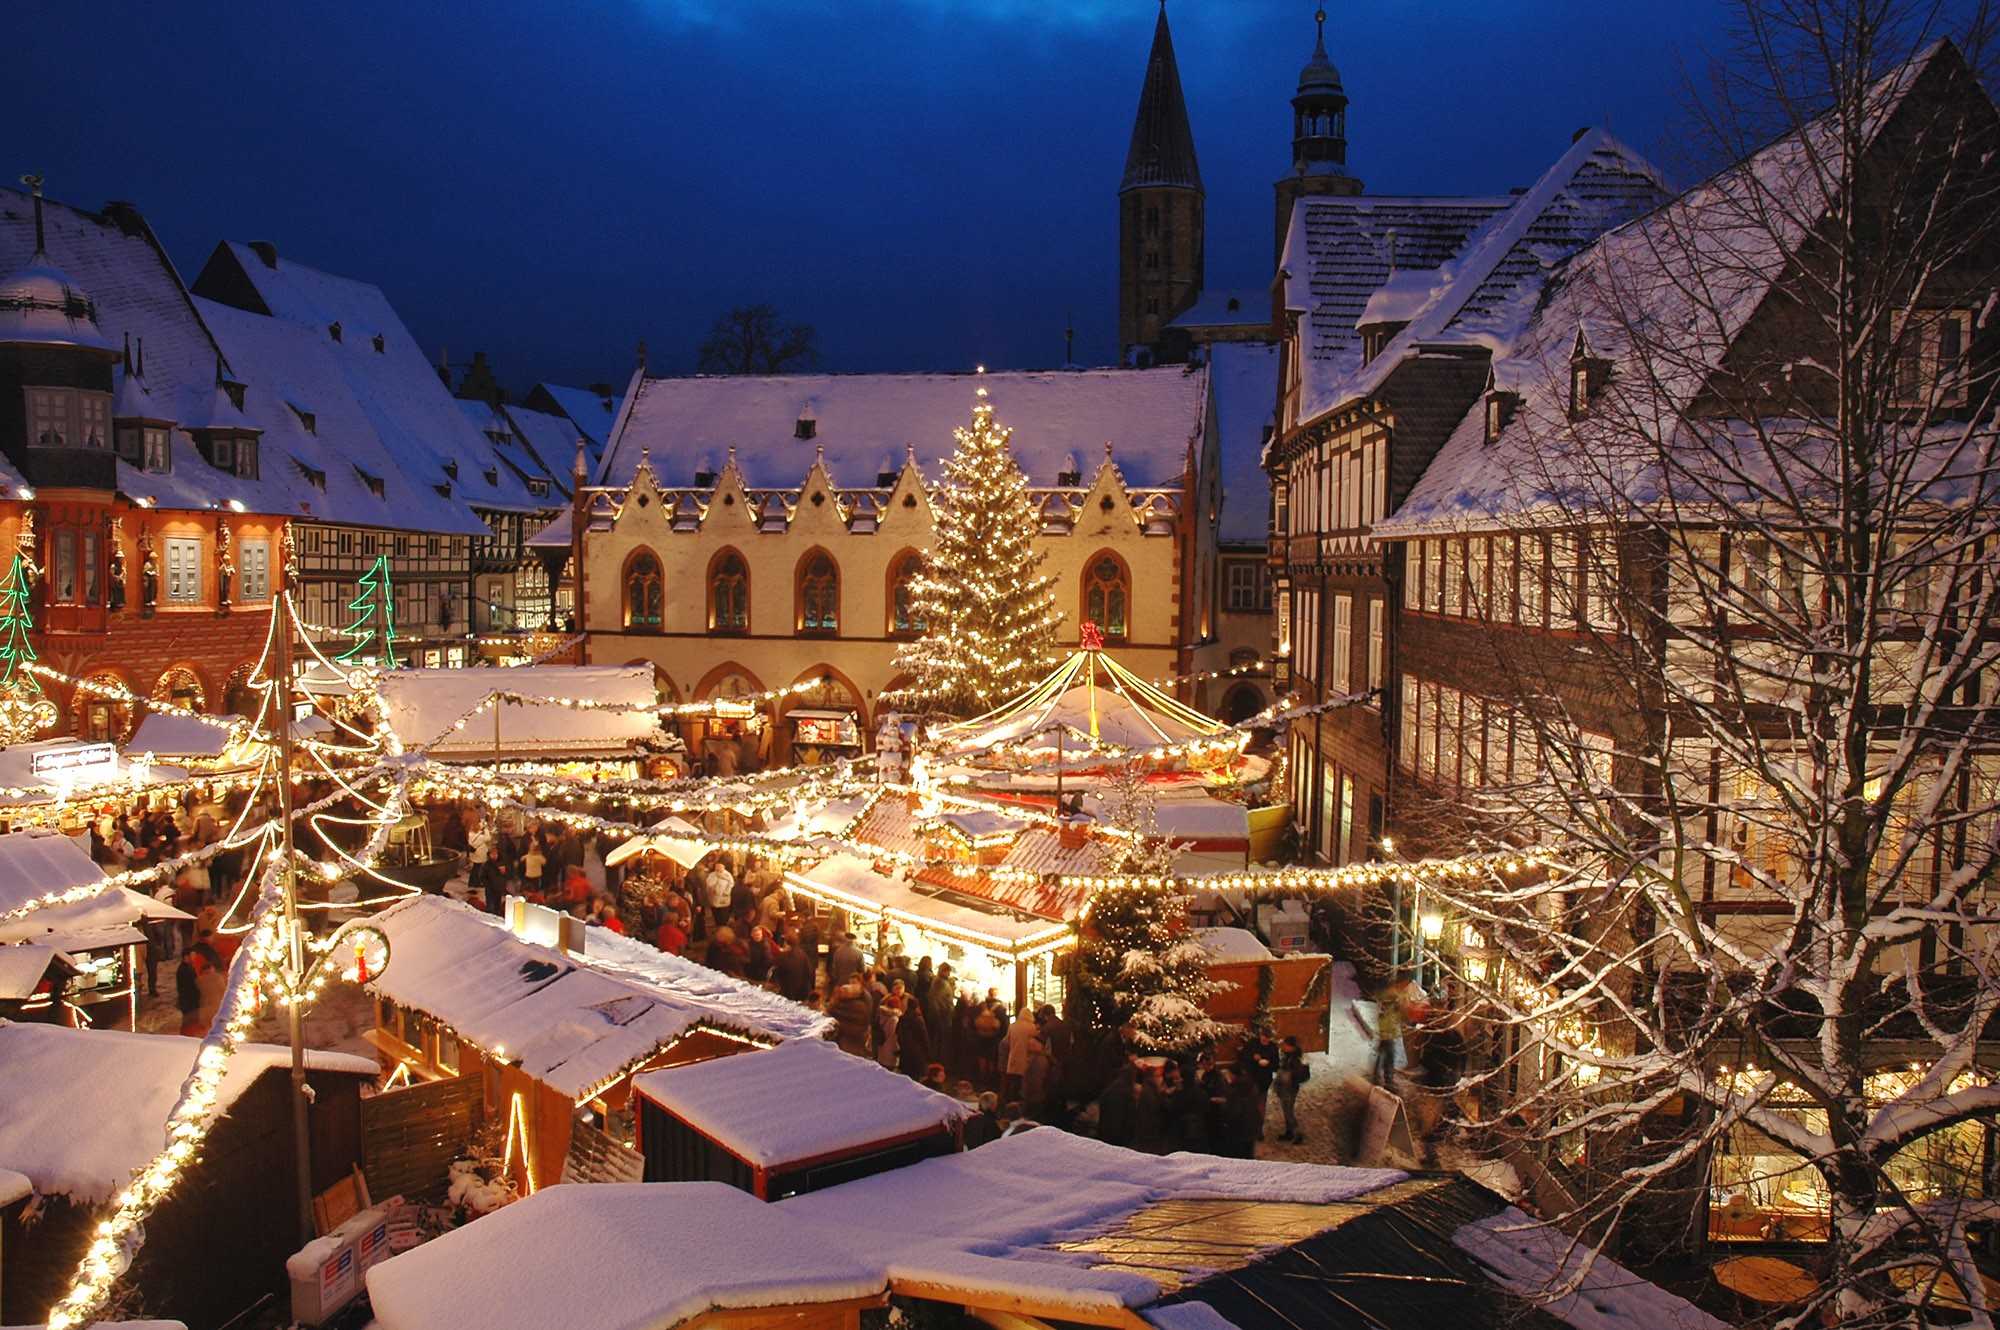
(374, 633)
(24, 711)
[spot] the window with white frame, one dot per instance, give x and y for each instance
(1454, 578)
(1930, 362)
(1406, 733)
(69, 418)
(1376, 614)
(183, 570)
(1476, 599)
(1434, 562)
(254, 579)
(1340, 671)
(1502, 605)
(1533, 570)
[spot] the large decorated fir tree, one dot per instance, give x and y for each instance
(374, 632)
(1139, 961)
(989, 613)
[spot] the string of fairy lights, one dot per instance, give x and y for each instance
(826, 808)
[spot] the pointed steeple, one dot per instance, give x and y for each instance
(1162, 151)
(1319, 114)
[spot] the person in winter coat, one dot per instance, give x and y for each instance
(984, 1126)
(792, 971)
(913, 1041)
(888, 1020)
(726, 954)
(940, 1002)
(852, 1018)
(1292, 1073)
(1257, 1061)
(845, 961)
(1014, 1057)
(989, 1028)
(187, 997)
(1118, 1107)
(672, 937)
(1040, 1084)
(1242, 1120)
(757, 956)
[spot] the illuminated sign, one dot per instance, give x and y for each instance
(76, 761)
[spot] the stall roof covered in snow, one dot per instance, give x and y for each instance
(618, 1256)
(82, 1110)
(856, 879)
(169, 735)
(38, 861)
(801, 1100)
(1575, 1284)
(1154, 419)
(425, 705)
(24, 965)
(987, 1219)
(572, 1023)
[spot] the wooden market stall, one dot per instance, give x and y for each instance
(761, 1122)
(549, 1035)
(1292, 992)
(99, 934)
(82, 1110)
(1038, 1230)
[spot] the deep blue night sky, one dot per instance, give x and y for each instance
(929, 182)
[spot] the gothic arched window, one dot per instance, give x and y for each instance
(729, 595)
(1107, 591)
(904, 616)
(645, 593)
(819, 594)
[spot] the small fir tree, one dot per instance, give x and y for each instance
(374, 633)
(989, 613)
(1139, 962)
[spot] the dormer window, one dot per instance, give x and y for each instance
(69, 418)
(235, 392)
(314, 476)
(805, 427)
(451, 469)
(374, 483)
(376, 342)
(492, 475)
(443, 488)
(156, 450)
(538, 487)
(1375, 339)
(1587, 376)
(1499, 412)
(307, 420)
(333, 330)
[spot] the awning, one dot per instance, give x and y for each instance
(670, 839)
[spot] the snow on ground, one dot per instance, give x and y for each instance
(1574, 1283)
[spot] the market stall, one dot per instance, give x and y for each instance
(584, 720)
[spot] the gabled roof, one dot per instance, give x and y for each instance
(1466, 272)
(395, 417)
(1162, 151)
(592, 415)
(866, 423)
(570, 1022)
(129, 1083)
(1241, 308)
(501, 483)
(1691, 274)
(139, 299)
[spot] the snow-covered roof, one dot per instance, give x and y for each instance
(1241, 307)
(424, 705)
(1245, 377)
(1152, 419)
(390, 424)
(574, 1023)
(770, 1107)
(170, 735)
(14, 1186)
(82, 1110)
(39, 861)
(40, 305)
(629, 1256)
(1233, 945)
(23, 966)
(1688, 276)
(550, 440)
(590, 413)
(114, 257)
(989, 1220)
(1463, 271)
(1573, 1283)
(855, 878)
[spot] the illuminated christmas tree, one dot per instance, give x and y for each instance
(374, 633)
(24, 711)
(1139, 961)
(989, 613)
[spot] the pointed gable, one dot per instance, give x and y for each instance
(1162, 151)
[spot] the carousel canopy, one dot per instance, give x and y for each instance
(1097, 707)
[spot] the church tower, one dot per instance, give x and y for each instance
(1160, 215)
(1319, 137)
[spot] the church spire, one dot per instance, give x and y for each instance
(1162, 151)
(1319, 114)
